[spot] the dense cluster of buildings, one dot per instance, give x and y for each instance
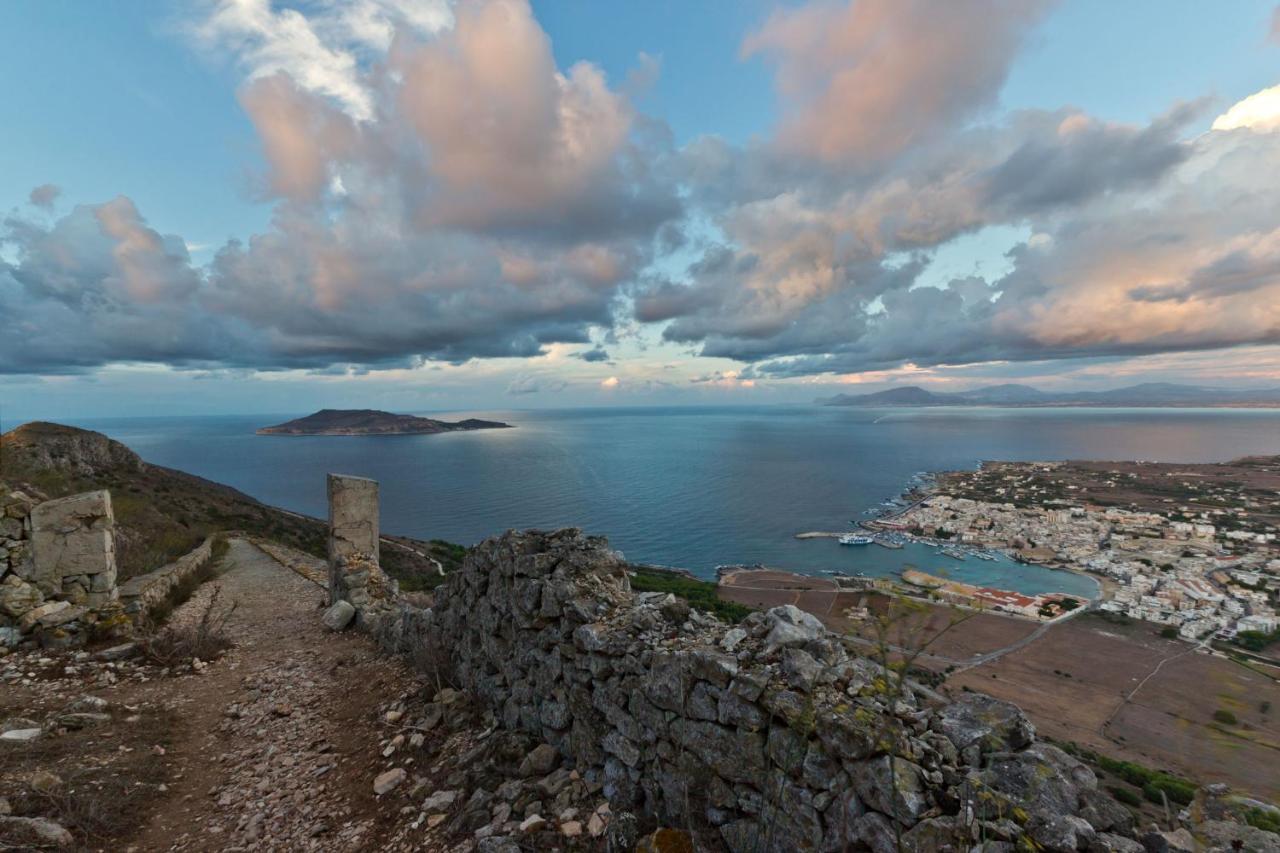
(1180, 570)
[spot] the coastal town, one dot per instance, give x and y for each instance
(1191, 550)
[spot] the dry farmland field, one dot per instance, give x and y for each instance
(1112, 685)
(1075, 683)
(960, 635)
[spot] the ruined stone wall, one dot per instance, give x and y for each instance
(353, 535)
(57, 566)
(140, 593)
(771, 735)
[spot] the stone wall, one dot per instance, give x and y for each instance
(139, 594)
(57, 567)
(770, 735)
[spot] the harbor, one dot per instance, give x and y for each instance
(877, 545)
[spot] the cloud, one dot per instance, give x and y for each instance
(532, 384)
(595, 354)
(99, 285)
(1260, 111)
(863, 81)
(321, 50)
(490, 206)
(443, 190)
(1189, 263)
(44, 196)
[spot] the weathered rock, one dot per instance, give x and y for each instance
(440, 801)
(34, 833)
(81, 720)
(385, 782)
(124, 651)
(788, 625)
(20, 735)
(800, 669)
(892, 786)
(540, 761)
(18, 597)
(339, 615)
(1224, 835)
(1061, 833)
(975, 718)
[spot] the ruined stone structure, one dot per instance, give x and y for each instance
(771, 735)
(57, 566)
(354, 572)
(74, 550)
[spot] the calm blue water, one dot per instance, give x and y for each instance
(686, 487)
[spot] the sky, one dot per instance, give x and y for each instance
(262, 206)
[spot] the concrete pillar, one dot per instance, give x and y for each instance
(353, 523)
(73, 549)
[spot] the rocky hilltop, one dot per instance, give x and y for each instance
(162, 513)
(373, 422)
(769, 735)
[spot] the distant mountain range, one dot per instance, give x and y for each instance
(1146, 394)
(372, 422)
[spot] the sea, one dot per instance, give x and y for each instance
(693, 488)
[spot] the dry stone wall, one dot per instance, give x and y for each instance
(141, 593)
(57, 567)
(770, 735)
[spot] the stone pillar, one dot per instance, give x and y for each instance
(73, 549)
(353, 525)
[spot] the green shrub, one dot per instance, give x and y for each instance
(700, 594)
(1125, 795)
(1177, 790)
(1222, 715)
(1264, 819)
(1152, 782)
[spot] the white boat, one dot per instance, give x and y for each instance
(855, 539)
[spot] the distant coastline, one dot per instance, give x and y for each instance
(1147, 395)
(349, 422)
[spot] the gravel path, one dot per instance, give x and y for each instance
(280, 737)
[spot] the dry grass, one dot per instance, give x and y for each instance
(206, 638)
(109, 779)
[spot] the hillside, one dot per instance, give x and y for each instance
(373, 422)
(1145, 394)
(162, 513)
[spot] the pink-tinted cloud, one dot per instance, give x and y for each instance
(864, 80)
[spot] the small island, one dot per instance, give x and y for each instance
(373, 422)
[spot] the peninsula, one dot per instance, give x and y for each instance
(373, 422)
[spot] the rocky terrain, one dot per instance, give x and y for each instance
(770, 735)
(373, 422)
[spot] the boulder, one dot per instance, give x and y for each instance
(338, 616)
(17, 597)
(388, 780)
(1224, 834)
(34, 833)
(789, 625)
(975, 718)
